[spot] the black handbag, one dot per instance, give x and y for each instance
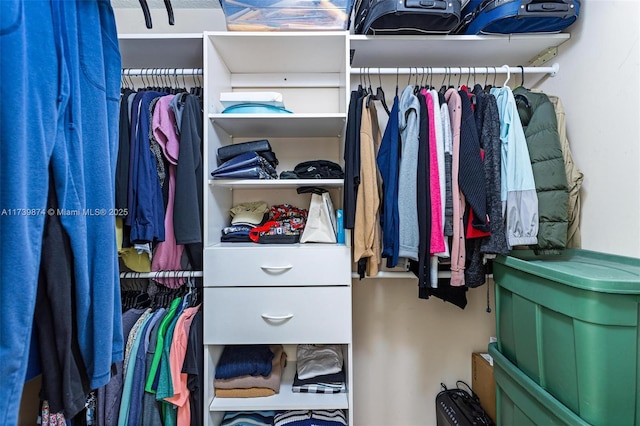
(460, 407)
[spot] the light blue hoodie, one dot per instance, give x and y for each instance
(408, 114)
(518, 188)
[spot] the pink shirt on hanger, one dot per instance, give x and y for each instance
(458, 254)
(177, 353)
(168, 254)
(437, 236)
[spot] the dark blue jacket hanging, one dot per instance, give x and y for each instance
(388, 163)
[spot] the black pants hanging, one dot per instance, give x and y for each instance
(64, 378)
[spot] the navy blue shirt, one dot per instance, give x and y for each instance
(389, 163)
(146, 205)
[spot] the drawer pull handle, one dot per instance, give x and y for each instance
(277, 317)
(276, 269)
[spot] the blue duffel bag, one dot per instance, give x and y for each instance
(517, 16)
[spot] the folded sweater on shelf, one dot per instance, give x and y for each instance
(271, 381)
(240, 360)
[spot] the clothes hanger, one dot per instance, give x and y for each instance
(147, 14)
(521, 75)
(449, 80)
(443, 87)
(416, 86)
(521, 97)
(431, 79)
(487, 88)
(397, 76)
(506, 67)
(167, 5)
(380, 93)
(370, 95)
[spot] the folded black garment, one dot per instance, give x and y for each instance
(261, 147)
(236, 237)
(248, 165)
(319, 169)
(288, 174)
(338, 377)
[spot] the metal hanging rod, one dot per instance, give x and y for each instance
(504, 69)
(161, 274)
(161, 71)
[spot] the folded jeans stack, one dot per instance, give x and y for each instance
(246, 160)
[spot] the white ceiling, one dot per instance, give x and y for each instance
(176, 4)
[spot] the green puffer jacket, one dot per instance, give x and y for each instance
(541, 131)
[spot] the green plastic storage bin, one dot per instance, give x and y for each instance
(521, 402)
(571, 323)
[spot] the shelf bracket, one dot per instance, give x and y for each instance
(544, 57)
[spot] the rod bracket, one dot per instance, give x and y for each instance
(544, 57)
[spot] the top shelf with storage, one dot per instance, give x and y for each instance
(450, 50)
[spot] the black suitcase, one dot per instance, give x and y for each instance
(406, 17)
(517, 16)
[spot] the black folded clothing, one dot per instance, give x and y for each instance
(319, 169)
(261, 147)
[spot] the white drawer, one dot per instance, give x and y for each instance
(239, 264)
(277, 315)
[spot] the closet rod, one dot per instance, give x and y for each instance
(161, 274)
(504, 69)
(167, 72)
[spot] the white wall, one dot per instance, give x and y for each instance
(404, 347)
(599, 84)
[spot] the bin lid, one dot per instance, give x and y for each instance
(584, 269)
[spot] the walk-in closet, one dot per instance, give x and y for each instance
(244, 322)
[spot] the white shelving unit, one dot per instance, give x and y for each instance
(246, 284)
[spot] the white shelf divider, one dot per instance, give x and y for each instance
(281, 125)
(275, 183)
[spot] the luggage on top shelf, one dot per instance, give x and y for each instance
(517, 16)
(406, 17)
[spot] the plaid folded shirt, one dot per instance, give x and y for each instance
(320, 388)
